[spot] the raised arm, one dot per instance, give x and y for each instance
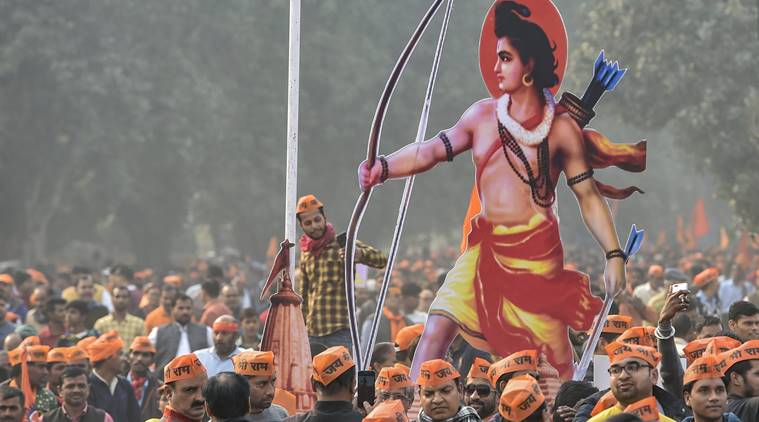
(419, 157)
(595, 212)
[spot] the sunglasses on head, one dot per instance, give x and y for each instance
(481, 389)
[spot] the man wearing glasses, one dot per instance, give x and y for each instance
(633, 375)
(478, 394)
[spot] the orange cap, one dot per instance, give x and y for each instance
(57, 355)
(331, 363)
(706, 276)
(173, 280)
(75, 354)
(695, 349)
(747, 351)
(403, 368)
(254, 364)
(721, 344)
(7, 279)
(105, 346)
(646, 409)
(392, 378)
(307, 203)
(142, 344)
(436, 372)
(37, 276)
(655, 271)
(520, 399)
(83, 343)
(525, 360)
(14, 356)
(227, 326)
(183, 367)
(407, 335)
(618, 351)
(643, 336)
(388, 411)
(702, 368)
(479, 369)
(617, 324)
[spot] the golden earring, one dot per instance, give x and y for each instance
(527, 79)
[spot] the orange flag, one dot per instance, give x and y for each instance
(699, 220)
(724, 240)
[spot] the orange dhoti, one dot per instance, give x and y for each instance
(509, 291)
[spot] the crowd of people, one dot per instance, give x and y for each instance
(681, 343)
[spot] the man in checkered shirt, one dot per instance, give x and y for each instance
(322, 278)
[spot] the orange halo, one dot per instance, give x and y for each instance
(547, 16)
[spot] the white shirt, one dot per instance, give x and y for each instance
(417, 317)
(214, 363)
(111, 385)
(184, 342)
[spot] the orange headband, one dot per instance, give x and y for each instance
(479, 369)
(617, 324)
(183, 367)
(525, 360)
(436, 372)
(520, 398)
(75, 354)
(254, 364)
(230, 327)
(331, 363)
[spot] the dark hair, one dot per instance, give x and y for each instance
(381, 350)
(211, 288)
(79, 305)
(570, 393)
(708, 320)
(21, 277)
(537, 415)
(122, 271)
(5, 298)
(624, 417)
(215, 271)
(120, 287)
(168, 288)
(73, 372)
(52, 302)
(529, 40)
(249, 313)
(7, 392)
(317, 348)
(410, 289)
(340, 384)
(682, 324)
(79, 270)
(741, 309)
(689, 386)
(739, 368)
(180, 296)
(227, 395)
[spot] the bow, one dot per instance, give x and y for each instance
(371, 154)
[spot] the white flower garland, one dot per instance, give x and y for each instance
(526, 137)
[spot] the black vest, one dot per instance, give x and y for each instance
(167, 342)
(93, 414)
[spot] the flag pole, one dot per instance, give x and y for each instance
(293, 87)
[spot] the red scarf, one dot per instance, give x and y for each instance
(396, 322)
(137, 384)
(315, 246)
(171, 415)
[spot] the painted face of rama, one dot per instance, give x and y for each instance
(509, 68)
(313, 224)
(441, 402)
(707, 399)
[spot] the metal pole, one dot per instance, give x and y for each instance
(293, 86)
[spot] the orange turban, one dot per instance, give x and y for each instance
(37, 276)
(407, 335)
(83, 343)
(747, 351)
(520, 399)
(388, 411)
(105, 346)
(75, 354)
(57, 355)
(183, 367)
(619, 351)
(617, 324)
(655, 271)
(7, 279)
(225, 326)
(721, 344)
(142, 344)
(307, 203)
(254, 364)
(706, 276)
(331, 363)
(643, 336)
(702, 368)
(436, 372)
(646, 409)
(173, 280)
(479, 369)
(392, 378)
(525, 360)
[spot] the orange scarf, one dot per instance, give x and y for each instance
(396, 322)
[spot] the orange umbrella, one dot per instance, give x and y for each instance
(285, 334)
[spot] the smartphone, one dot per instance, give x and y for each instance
(679, 287)
(341, 239)
(366, 392)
